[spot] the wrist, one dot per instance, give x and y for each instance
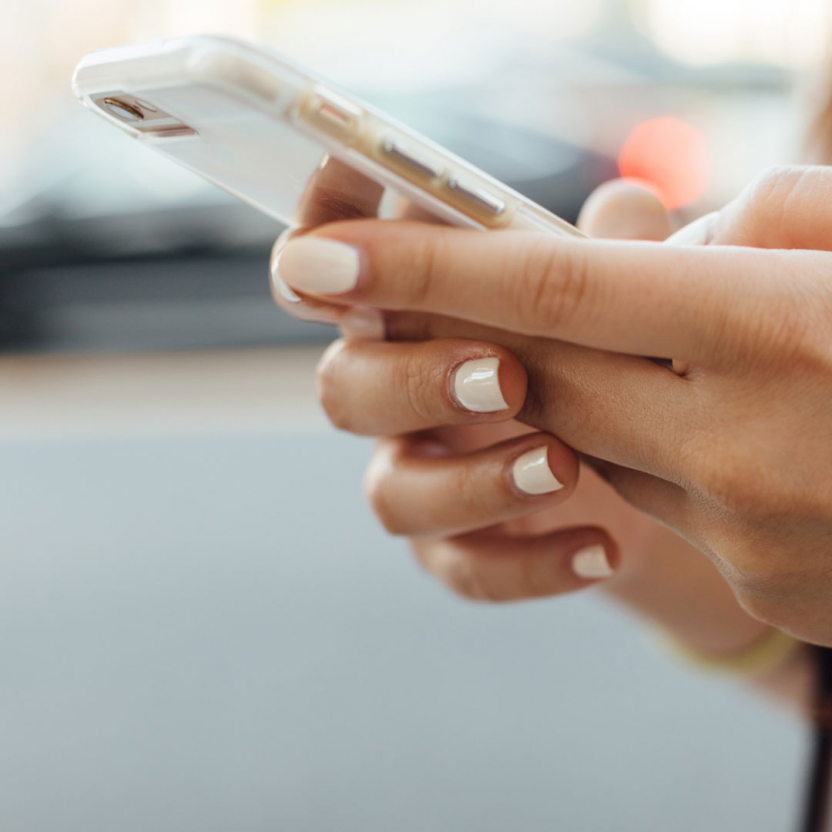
(757, 660)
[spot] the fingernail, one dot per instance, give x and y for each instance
(280, 285)
(283, 288)
(477, 386)
(323, 267)
(363, 322)
(698, 233)
(592, 563)
(533, 475)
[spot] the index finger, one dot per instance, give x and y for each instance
(637, 298)
(336, 192)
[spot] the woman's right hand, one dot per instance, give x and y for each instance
(458, 484)
(480, 497)
(448, 479)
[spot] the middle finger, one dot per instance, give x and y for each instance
(383, 389)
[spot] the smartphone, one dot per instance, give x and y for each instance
(263, 128)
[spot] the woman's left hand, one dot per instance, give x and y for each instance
(734, 448)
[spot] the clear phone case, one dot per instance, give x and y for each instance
(293, 146)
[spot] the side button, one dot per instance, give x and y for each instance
(330, 113)
(408, 159)
(480, 197)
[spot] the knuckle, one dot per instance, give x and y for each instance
(728, 474)
(553, 284)
(800, 331)
(464, 572)
(475, 577)
(378, 493)
(734, 483)
(775, 181)
(386, 514)
(766, 203)
(328, 375)
(791, 335)
(459, 573)
(424, 264)
(785, 330)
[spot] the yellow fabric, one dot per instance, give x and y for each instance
(760, 658)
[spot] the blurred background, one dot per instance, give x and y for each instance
(200, 625)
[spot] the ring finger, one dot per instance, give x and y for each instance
(417, 488)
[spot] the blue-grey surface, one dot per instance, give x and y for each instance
(213, 635)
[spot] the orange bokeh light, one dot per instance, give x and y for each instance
(672, 156)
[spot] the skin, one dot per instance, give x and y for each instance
(747, 331)
(659, 576)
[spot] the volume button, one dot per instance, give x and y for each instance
(330, 113)
(480, 197)
(407, 158)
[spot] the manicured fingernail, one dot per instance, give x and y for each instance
(323, 267)
(283, 289)
(363, 322)
(533, 475)
(477, 386)
(592, 563)
(280, 285)
(698, 233)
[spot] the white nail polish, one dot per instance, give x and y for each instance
(477, 386)
(698, 233)
(280, 285)
(323, 267)
(592, 564)
(533, 475)
(363, 322)
(283, 288)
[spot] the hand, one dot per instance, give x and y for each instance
(336, 192)
(417, 498)
(733, 452)
(656, 573)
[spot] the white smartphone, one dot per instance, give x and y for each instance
(263, 128)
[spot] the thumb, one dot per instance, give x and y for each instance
(784, 208)
(625, 210)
